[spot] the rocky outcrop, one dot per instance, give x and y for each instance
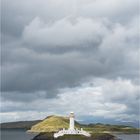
(46, 136)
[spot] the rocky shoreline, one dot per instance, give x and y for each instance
(46, 136)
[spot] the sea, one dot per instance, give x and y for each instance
(128, 136)
(23, 135)
(18, 134)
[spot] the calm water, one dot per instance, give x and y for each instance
(129, 137)
(22, 135)
(16, 135)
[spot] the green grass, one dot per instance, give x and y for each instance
(111, 128)
(52, 124)
(55, 123)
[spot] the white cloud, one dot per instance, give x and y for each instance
(65, 32)
(109, 99)
(110, 8)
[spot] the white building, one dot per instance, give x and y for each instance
(71, 130)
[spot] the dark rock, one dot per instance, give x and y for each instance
(48, 136)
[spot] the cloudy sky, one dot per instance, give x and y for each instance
(70, 55)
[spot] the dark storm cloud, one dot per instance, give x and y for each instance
(27, 69)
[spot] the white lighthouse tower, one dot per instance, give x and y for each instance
(71, 130)
(71, 124)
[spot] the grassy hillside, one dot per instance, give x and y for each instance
(106, 128)
(52, 124)
(55, 123)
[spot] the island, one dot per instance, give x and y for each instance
(46, 128)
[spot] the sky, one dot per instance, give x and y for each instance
(59, 56)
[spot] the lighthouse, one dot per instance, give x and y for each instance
(71, 130)
(71, 124)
